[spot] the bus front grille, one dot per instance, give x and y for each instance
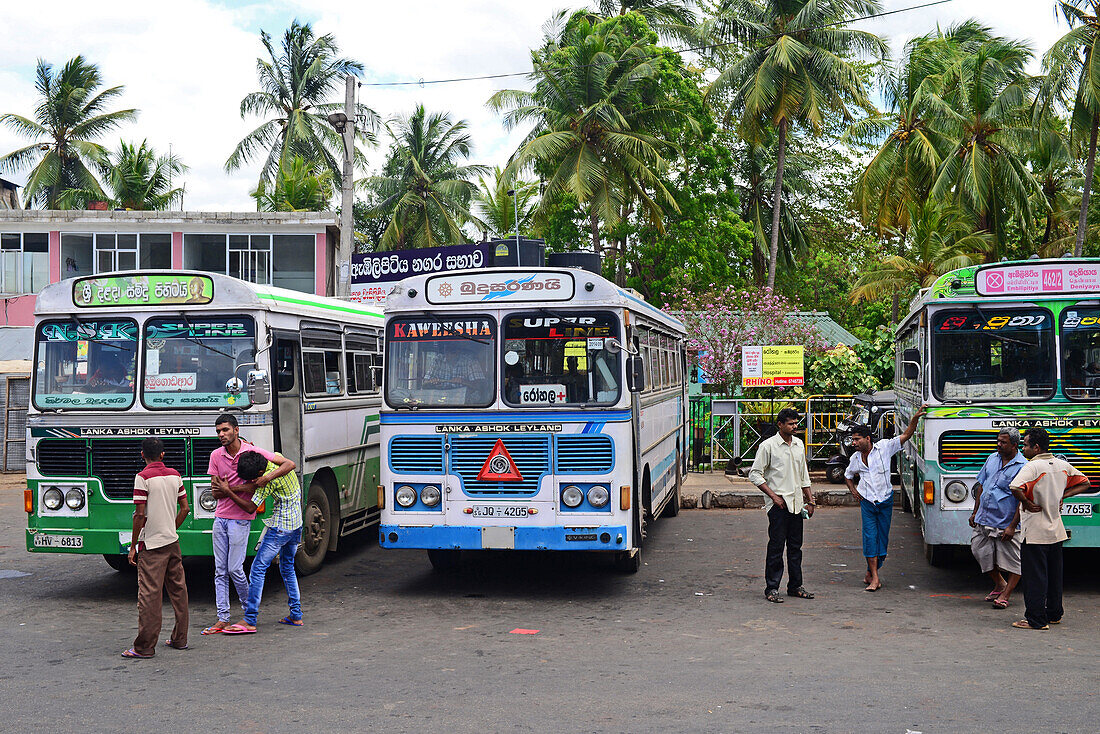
(201, 448)
(584, 455)
(530, 453)
(417, 454)
(62, 457)
(968, 450)
(115, 462)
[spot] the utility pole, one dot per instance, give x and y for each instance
(347, 192)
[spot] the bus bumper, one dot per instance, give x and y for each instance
(112, 542)
(603, 537)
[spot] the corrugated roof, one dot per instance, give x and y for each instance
(833, 332)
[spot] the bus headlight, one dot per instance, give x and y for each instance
(53, 499)
(955, 491)
(572, 496)
(405, 496)
(207, 501)
(74, 498)
(430, 495)
(598, 496)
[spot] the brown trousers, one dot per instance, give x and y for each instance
(160, 569)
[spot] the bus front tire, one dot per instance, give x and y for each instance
(444, 560)
(672, 507)
(628, 561)
(937, 555)
(316, 531)
(119, 562)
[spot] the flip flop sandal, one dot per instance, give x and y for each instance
(168, 643)
(1023, 624)
(236, 629)
(992, 595)
(132, 653)
(1000, 604)
(288, 620)
(212, 630)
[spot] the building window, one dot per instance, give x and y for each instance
(115, 252)
(76, 254)
(155, 251)
(250, 258)
(294, 261)
(24, 262)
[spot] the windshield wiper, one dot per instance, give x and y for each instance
(196, 340)
(1002, 337)
(95, 338)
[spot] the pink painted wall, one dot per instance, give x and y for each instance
(177, 251)
(320, 272)
(18, 310)
(55, 256)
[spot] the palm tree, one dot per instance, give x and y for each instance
(670, 19)
(984, 111)
(498, 199)
(295, 83)
(940, 238)
(1056, 170)
(136, 178)
(70, 115)
(599, 120)
(1073, 81)
(300, 186)
(795, 70)
(425, 190)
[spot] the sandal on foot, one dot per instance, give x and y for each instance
(238, 629)
(1000, 604)
(1023, 624)
(132, 653)
(291, 621)
(212, 630)
(801, 593)
(169, 643)
(772, 595)
(993, 595)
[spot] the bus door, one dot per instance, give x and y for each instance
(288, 400)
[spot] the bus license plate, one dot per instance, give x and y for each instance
(58, 541)
(1077, 509)
(499, 511)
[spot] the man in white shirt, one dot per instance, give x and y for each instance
(871, 462)
(780, 472)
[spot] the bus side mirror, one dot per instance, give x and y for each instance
(259, 387)
(910, 364)
(636, 374)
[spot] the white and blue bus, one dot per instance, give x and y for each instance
(532, 408)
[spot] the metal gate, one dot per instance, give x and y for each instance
(15, 393)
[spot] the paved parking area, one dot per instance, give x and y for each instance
(688, 644)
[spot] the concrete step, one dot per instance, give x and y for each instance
(716, 490)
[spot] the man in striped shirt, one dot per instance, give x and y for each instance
(281, 536)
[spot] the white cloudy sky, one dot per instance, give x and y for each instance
(187, 64)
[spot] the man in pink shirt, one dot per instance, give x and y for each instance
(231, 522)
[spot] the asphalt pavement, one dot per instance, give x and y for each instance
(687, 644)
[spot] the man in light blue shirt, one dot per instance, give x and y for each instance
(995, 542)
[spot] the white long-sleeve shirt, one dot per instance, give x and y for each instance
(783, 467)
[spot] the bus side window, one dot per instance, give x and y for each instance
(284, 368)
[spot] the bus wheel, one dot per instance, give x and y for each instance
(906, 504)
(316, 531)
(444, 560)
(118, 562)
(672, 507)
(628, 561)
(937, 555)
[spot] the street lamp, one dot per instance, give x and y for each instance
(515, 201)
(344, 124)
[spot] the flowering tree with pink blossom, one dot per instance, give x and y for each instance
(721, 321)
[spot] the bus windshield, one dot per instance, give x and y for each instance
(188, 361)
(85, 364)
(993, 353)
(552, 358)
(434, 361)
(1081, 353)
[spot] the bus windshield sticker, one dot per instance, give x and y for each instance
(498, 286)
(143, 290)
(429, 329)
(542, 394)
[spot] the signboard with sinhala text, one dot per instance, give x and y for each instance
(143, 290)
(772, 366)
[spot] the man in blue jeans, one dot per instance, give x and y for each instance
(281, 536)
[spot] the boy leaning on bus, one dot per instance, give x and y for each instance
(281, 536)
(155, 550)
(231, 523)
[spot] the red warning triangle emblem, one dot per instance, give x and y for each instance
(499, 467)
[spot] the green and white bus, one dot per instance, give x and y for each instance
(123, 356)
(1006, 345)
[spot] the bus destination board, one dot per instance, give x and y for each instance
(143, 290)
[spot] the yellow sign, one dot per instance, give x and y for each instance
(772, 366)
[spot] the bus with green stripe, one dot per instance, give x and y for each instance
(122, 356)
(1004, 345)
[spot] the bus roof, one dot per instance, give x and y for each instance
(531, 287)
(127, 291)
(1014, 279)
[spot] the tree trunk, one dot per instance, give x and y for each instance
(594, 229)
(895, 307)
(1082, 223)
(777, 200)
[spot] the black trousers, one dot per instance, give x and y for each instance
(783, 529)
(1042, 576)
